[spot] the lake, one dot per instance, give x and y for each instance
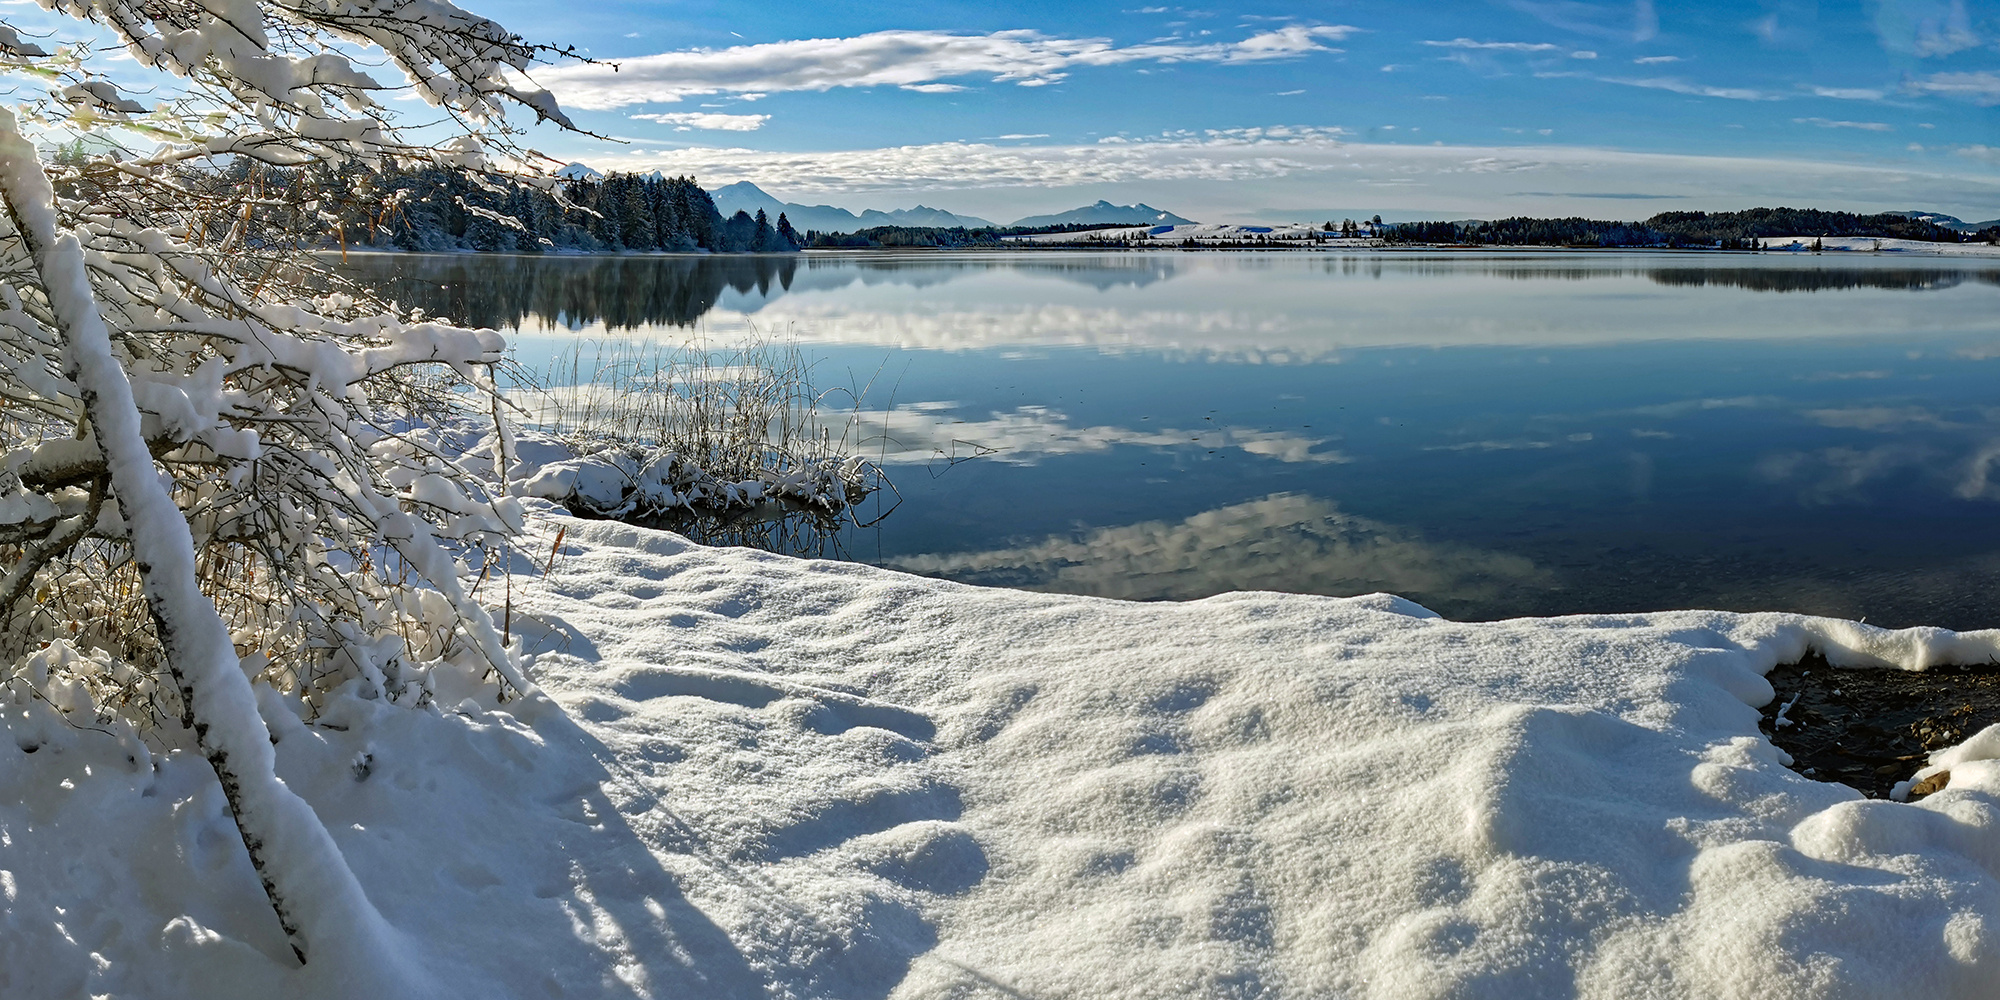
(1489, 434)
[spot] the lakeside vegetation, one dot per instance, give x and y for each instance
(1719, 230)
(1724, 230)
(435, 208)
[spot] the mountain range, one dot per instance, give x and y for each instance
(743, 196)
(747, 197)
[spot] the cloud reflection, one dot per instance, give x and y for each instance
(1838, 475)
(924, 432)
(1248, 308)
(1286, 542)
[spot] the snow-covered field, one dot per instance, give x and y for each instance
(1869, 244)
(764, 777)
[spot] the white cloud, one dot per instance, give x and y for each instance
(1679, 86)
(1946, 42)
(1221, 155)
(1656, 60)
(1981, 88)
(1944, 36)
(708, 121)
(1830, 123)
(1982, 153)
(1645, 21)
(915, 60)
(1849, 93)
(1299, 166)
(1467, 43)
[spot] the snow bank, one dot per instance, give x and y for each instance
(779, 778)
(1869, 244)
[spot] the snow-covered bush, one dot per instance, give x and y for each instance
(217, 464)
(690, 438)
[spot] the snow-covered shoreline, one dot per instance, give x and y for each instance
(775, 777)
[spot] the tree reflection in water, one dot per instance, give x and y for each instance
(507, 291)
(783, 527)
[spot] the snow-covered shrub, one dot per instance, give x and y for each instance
(690, 437)
(217, 464)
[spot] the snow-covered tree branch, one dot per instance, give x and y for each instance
(229, 481)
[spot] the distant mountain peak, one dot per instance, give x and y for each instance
(745, 196)
(580, 172)
(1105, 212)
(1947, 221)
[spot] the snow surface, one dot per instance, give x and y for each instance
(781, 778)
(1869, 244)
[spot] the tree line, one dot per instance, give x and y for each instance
(434, 208)
(1729, 230)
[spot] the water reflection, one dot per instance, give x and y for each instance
(921, 433)
(633, 292)
(1808, 279)
(621, 292)
(1269, 308)
(505, 291)
(1287, 542)
(1493, 434)
(1755, 275)
(1101, 271)
(786, 528)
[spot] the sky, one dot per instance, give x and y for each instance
(1246, 111)
(1259, 111)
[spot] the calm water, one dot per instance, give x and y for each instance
(1489, 435)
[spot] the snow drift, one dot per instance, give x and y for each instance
(780, 778)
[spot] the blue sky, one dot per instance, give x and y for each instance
(1253, 110)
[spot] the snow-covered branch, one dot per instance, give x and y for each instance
(230, 479)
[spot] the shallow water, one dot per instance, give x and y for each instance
(1491, 435)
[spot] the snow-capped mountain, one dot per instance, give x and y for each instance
(1948, 222)
(1106, 212)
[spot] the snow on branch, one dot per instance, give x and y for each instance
(232, 481)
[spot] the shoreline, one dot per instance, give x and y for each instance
(1979, 251)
